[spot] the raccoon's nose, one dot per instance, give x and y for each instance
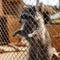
(22, 21)
(19, 21)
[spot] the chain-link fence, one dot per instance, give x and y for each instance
(28, 44)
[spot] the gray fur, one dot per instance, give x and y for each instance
(37, 35)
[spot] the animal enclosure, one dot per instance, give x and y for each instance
(17, 48)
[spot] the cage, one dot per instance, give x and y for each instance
(17, 48)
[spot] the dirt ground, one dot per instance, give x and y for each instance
(11, 55)
(54, 31)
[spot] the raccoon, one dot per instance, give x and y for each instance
(35, 32)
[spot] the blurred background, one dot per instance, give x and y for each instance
(45, 2)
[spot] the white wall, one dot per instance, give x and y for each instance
(46, 2)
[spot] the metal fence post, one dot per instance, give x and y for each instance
(59, 5)
(37, 1)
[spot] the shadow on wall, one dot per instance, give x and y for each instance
(11, 10)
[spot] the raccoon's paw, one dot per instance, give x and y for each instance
(57, 54)
(30, 35)
(55, 57)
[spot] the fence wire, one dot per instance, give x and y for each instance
(12, 14)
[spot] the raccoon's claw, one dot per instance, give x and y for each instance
(20, 32)
(14, 34)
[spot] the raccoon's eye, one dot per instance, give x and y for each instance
(30, 10)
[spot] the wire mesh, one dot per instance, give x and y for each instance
(20, 45)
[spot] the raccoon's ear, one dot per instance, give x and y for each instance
(34, 8)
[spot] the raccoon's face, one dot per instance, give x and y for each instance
(27, 13)
(24, 18)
